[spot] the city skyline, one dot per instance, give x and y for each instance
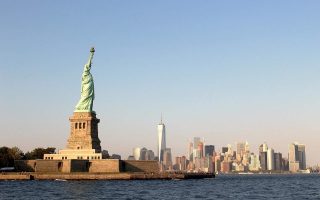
(202, 157)
(228, 72)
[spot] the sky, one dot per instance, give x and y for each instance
(227, 71)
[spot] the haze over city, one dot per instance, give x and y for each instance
(225, 71)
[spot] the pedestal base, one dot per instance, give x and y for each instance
(67, 154)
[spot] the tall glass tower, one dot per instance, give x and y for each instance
(297, 157)
(161, 140)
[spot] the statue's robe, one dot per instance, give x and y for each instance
(87, 91)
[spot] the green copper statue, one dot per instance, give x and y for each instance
(87, 88)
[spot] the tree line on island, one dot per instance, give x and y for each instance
(8, 155)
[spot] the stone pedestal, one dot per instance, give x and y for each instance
(83, 142)
(84, 131)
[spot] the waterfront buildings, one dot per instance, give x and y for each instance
(241, 160)
(204, 158)
(297, 157)
(142, 154)
(269, 160)
(181, 163)
(201, 157)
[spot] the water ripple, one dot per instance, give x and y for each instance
(222, 187)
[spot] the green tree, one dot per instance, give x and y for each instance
(6, 158)
(16, 153)
(38, 153)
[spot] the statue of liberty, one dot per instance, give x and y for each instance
(87, 88)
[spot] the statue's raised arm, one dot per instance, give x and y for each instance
(87, 66)
(87, 87)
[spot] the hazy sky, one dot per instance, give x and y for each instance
(227, 71)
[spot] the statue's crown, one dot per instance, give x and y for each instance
(92, 49)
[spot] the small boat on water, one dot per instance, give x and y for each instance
(60, 179)
(7, 169)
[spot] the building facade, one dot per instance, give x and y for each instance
(297, 157)
(161, 140)
(270, 159)
(208, 150)
(277, 161)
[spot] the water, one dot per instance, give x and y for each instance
(222, 187)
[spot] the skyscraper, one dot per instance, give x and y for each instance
(150, 155)
(161, 140)
(263, 161)
(200, 149)
(302, 156)
(254, 163)
(230, 151)
(277, 161)
(246, 147)
(263, 147)
(224, 149)
(190, 151)
(143, 154)
(196, 141)
(208, 150)
(241, 148)
(270, 159)
(297, 157)
(137, 153)
(196, 152)
(181, 163)
(243, 153)
(167, 159)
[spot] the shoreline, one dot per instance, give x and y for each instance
(102, 176)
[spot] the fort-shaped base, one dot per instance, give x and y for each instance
(80, 154)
